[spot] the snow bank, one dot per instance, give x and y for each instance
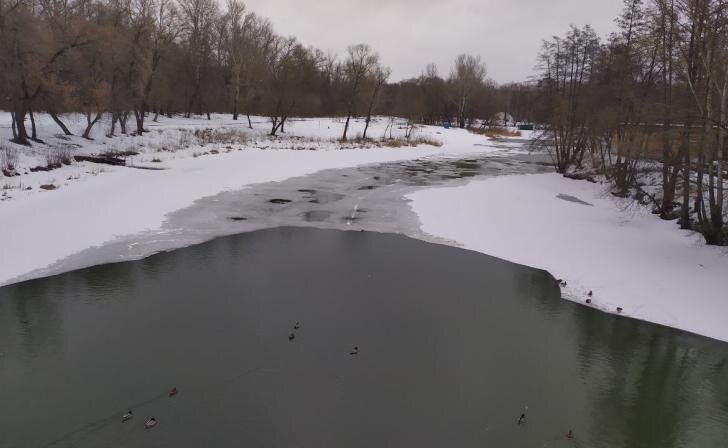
(96, 203)
(627, 257)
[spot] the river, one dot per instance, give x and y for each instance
(453, 347)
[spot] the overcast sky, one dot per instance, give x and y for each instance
(411, 33)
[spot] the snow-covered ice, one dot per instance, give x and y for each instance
(95, 204)
(578, 232)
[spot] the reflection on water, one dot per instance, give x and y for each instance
(454, 346)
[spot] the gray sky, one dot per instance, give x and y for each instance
(408, 34)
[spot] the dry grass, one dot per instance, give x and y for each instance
(413, 141)
(398, 142)
(8, 159)
(649, 141)
(495, 131)
(57, 156)
(221, 136)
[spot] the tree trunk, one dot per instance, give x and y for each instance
(720, 148)
(139, 116)
(60, 124)
(366, 125)
(90, 124)
(114, 119)
(346, 128)
(685, 206)
(123, 116)
(33, 131)
(22, 134)
(274, 126)
(12, 125)
(370, 109)
(250, 123)
(236, 98)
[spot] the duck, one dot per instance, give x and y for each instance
(291, 337)
(173, 392)
(126, 417)
(150, 423)
(355, 350)
(297, 326)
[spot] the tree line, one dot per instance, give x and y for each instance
(648, 105)
(145, 58)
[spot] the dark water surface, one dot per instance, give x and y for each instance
(453, 346)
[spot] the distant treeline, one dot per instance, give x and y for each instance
(136, 58)
(653, 95)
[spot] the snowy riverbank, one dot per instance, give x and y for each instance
(574, 229)
(94, 204)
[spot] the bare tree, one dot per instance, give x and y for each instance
(376, 82)
(198, 18)
(359, 63)
(466, 77)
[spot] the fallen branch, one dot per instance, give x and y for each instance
(105, 160)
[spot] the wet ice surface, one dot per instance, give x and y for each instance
(369, 197)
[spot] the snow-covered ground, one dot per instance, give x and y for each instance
(93, 204)
(577, 231)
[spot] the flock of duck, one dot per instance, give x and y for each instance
(589, 295)
(151, 422)
(297, 325)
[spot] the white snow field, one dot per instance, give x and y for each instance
(626, 256)
(95, 203)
